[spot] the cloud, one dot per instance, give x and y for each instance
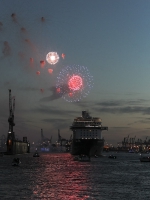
(141, 121)
(124, 110)
(55, 95)
(61, 123)
(122, 106)
(55, 111)
(29, 88)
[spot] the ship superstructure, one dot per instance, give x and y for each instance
(87, 135)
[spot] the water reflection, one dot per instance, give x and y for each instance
(59, 177)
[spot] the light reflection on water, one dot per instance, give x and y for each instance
(57, 176)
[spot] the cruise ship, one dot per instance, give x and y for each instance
(87, 135)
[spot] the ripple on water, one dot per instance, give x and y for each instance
(57, 176)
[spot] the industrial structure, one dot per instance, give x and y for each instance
(61, 141)
(15, 146)
(133, 144)
(45, 143)
(64, 142)
(3, 143)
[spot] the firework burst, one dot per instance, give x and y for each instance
(74, 83)
(52, 58)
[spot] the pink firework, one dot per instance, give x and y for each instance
(75, 82)
(58, 90)
(63, 55)
(38, 72)
(31, 60)
(50, 71)
(42, 63)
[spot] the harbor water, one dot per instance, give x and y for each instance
(55, 176)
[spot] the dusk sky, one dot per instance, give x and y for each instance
(109, 37)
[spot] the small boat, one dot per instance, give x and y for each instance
(82, 158)
(112, 156)
(16, 162)
(145, 159)
(76, 158)
(131, 151)
(36, 154)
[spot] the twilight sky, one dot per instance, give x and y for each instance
(110, 38)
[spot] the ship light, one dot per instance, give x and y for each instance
(9, 132)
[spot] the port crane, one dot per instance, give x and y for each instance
(11, 115)
(45, 141)
(60, 139)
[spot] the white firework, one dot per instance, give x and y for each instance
(52, 58)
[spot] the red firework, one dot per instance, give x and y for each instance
(70, 94)
(75, 82)
(50, 71)
(38, 72)
(63, 55)
(58, 90)
(31, 60)
(42, 62)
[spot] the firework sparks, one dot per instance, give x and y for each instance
(74, 83)
(6, 49)
(52, 58)
(42, 63)
(38, 72)
(50, 71)
(63, 55)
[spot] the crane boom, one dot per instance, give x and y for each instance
(13, 105)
